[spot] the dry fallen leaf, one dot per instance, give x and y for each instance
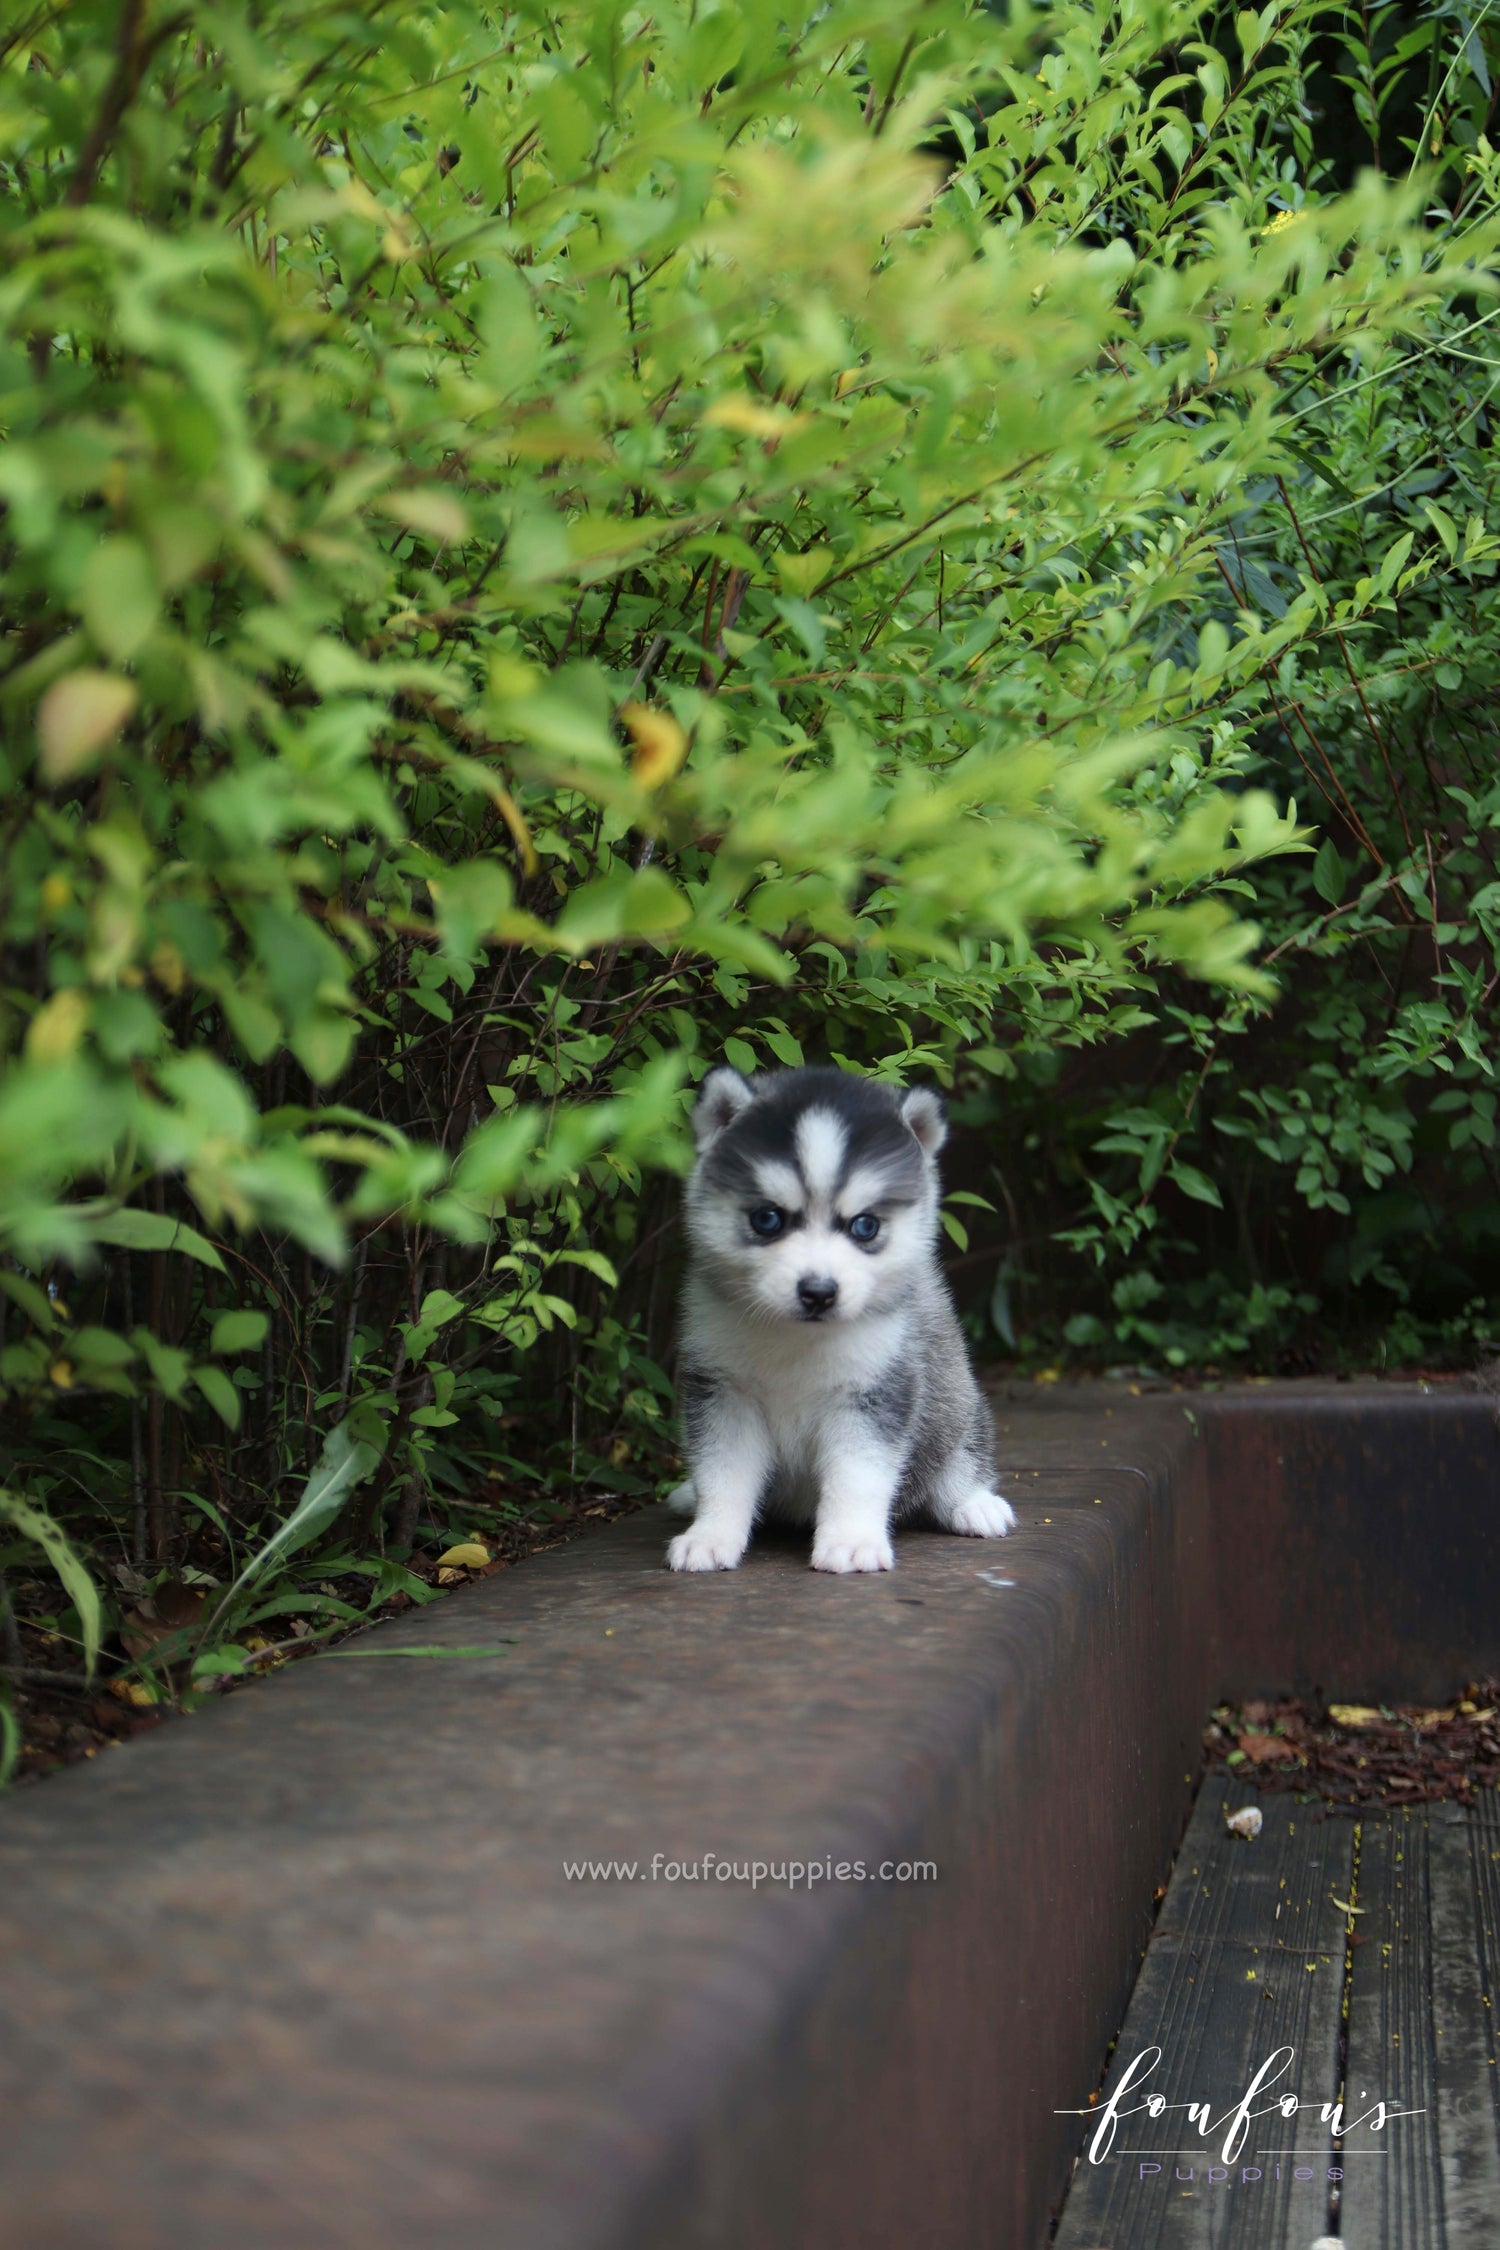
(133, 1691)
(1355, 1715)
(178, 1605)
(746, 414)
(469, 1556)
(1265, 1749)
(660, 744)
(172, 1609)
(78, 718)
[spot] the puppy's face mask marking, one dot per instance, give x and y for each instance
(813, 1208)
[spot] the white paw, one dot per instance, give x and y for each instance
(701, 1549)
(683, 1499)
(984, 1515)
(852, 1554)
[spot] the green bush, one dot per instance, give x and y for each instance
(542, 547)
(1317, 1182)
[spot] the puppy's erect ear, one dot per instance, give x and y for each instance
(721, 1097)
(923, 1111)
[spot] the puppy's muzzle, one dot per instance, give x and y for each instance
(817, 1295)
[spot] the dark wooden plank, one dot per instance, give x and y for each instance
(1392, 2196)
(1464, 2021)
(1247, 1957)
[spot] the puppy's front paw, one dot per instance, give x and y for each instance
(984, 1515)
(702, 1549)
(832, 1553)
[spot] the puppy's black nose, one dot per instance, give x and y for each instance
(817, 1294)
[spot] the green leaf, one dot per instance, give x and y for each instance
(32, 1300)
(220, 1393)
(120, 597)
(152, 1230)
(1394, 562)
(10, 1740)
(324, 1040)
(344, 1463)
(239, 1332)
(1195, 1184)
(34, 1523)
(1330, 875)
(95, 1348)
(592, 1261)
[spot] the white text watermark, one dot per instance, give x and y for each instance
(1234, 2123)
(714, 1867)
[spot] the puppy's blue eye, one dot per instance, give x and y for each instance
(865, 1227)
(767, 1222)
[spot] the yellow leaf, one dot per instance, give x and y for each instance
(61, 1372)
(1354, 1715)
(57, 1028)
(660, 744)
(753, 419)
(133, 1691)
(429, 510)
(78, 718)
(512, 675)
(167, 966)
(469, 1556)
(356, 197)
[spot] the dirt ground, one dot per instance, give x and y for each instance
(1363, 1755)
(65, 1718)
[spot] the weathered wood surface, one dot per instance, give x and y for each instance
(1421, 2032)
(1262, 1944)
(1247, 1959)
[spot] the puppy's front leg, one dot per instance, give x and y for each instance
(729, 1453)
(858, 1491)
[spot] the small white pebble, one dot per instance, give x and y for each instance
(1248, 1821)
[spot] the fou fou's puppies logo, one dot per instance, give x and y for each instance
(1225, 2134)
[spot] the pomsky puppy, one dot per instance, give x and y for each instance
(825, 1379)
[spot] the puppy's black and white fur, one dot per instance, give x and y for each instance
(825, 1378)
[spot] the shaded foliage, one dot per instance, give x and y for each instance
(543, 545)
(1315, 1183)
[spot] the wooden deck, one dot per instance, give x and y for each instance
(1368, 1946)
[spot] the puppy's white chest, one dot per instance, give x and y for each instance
(804, 1388)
